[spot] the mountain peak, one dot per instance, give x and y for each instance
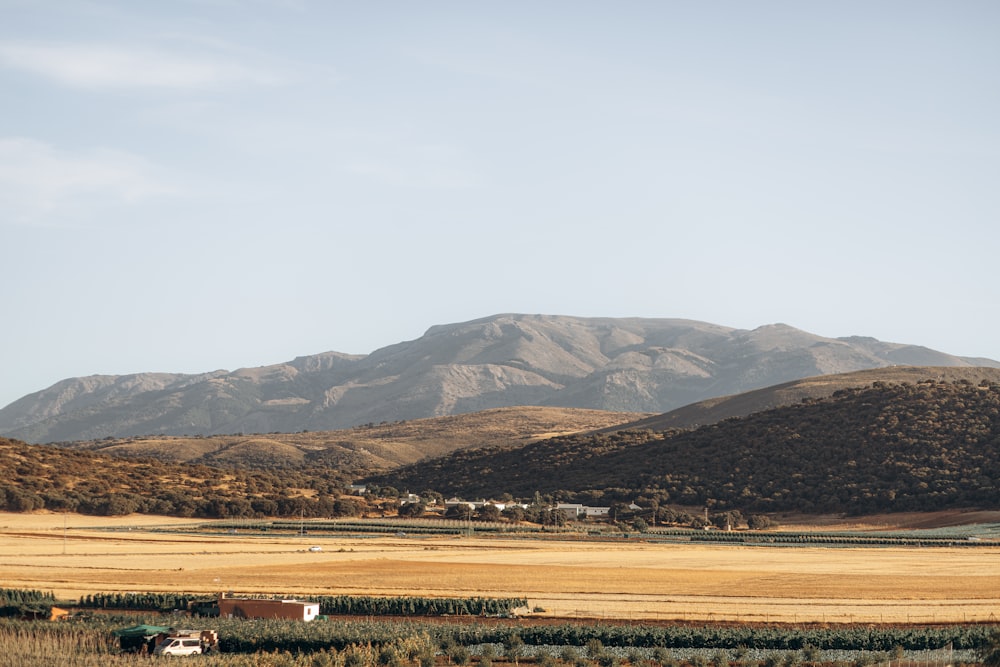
(620, 364)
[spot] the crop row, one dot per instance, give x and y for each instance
(417, 606)
(710, 636)
(248, 636)
(243, 636)
(261, 642)
(339, 605)
(820, 538)
(756, 637)
(440, 527)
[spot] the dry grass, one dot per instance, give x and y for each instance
(72, 647)
(572, 579)
(380, 446)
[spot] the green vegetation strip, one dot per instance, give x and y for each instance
(22, 602)
(408, 526)
(340, 605)
(250, 636)
(242, 635)
(853, 539)
(412, 637)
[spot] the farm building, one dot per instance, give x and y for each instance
(263, 608)
(576, 510)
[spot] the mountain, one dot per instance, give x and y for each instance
(925, 446)
(629, 365)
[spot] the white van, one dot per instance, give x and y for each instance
(179, 646)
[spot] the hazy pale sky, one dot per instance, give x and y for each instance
(202, 184)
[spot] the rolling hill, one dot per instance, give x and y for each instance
(715, 410)
(928, 446)
(614, 364)
(364, 449)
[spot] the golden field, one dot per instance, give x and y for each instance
(74, 555)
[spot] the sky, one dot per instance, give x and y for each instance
(202, 184)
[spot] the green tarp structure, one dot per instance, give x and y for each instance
(134, 638)
(141, 631)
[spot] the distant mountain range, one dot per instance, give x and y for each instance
(623, 365)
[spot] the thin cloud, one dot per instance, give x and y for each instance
(39, 183)
(102, 66)
(429, 167)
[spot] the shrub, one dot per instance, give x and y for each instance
(459, 654)
(595, 648)
(607, 659)
(545, 659)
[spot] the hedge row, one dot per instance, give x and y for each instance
(340, 605)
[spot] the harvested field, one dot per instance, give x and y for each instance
(73, 556)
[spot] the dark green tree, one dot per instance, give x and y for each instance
(989, 653)
(488, 513)
(412, 509)
(513, 647)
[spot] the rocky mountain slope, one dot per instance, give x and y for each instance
(633, 365)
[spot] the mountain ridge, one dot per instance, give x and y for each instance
(714, 410)
(616, 364)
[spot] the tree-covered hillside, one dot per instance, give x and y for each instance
(927, 446)
(36, 477)
(888, 447)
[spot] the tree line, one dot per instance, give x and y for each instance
(35, 477)
(336, 605)
(21, 602)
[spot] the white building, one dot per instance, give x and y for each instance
(576, 510)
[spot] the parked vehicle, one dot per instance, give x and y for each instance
(186, 642)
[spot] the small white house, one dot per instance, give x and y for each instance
(453, 502)
(576, 510)
(573, 510)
